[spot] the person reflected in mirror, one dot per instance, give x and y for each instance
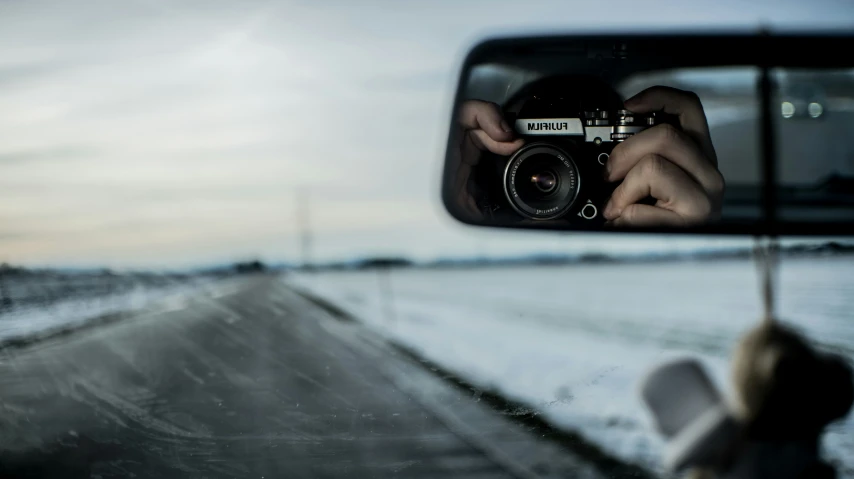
(677, 167)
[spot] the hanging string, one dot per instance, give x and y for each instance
(766, 255)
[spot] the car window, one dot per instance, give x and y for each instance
(821, 98)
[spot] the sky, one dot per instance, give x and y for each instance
(170, 133)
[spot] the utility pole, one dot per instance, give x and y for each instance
(304, 227)
(5, 296)
(384, 276)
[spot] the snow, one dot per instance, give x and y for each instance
(572, 342)
(58, 313)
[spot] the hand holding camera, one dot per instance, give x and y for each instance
(568, 161)
(676, 166)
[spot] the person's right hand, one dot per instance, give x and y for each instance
(481, 128)
(677, 167)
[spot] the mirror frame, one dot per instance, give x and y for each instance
(761, 49)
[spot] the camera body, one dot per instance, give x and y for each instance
(559, 174)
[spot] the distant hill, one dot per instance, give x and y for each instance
(829, 248)
(537, 259)
(244, 267)
(250, 267)
(372, 263)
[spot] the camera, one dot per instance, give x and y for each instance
(560, 172)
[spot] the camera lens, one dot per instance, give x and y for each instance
(541, 181)
(545, 181)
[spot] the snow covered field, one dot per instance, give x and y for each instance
(40, 303)
(573, 341)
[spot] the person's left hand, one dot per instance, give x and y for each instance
(676, 167)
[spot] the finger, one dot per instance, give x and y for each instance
(647, 216)
(673, 189)
(485, 142)
(481, 115)
(665, 140)
(685, 104)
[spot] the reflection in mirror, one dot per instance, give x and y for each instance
(593, 149)
(730, 103)
(814, 130)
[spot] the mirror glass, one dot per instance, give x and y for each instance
(599, 140)
(815, 144)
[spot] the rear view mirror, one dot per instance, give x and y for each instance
(744, 134)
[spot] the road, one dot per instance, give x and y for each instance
(254, 382)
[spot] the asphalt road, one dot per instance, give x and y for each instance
(258, 382)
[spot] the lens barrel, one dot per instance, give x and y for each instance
(541, 181)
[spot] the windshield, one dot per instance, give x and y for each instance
(223, 254)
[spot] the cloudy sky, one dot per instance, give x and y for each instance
(172, 133)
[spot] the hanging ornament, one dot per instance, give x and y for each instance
(785, 393)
